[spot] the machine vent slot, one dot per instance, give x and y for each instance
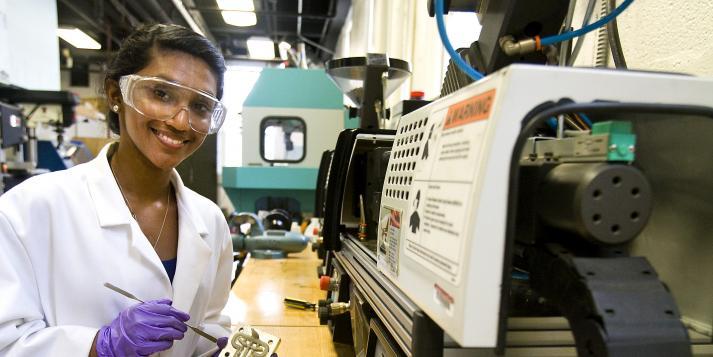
(405, 153)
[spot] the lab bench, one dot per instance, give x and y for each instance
(257, 300)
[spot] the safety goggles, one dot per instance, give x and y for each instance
(160, 99)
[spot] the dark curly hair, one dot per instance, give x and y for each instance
(135, 54)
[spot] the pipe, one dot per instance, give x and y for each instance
(88, 19)
(265, 12)
(123, 11)
(138, 9)
(317, 45)
(303, 55)
(156, 8)
(189, 19)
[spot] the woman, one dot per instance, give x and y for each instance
(124, 218)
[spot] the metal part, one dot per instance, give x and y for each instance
(368, 80)
(397, 312)
(247, 341)
(517, 48)
(606, 204)
(275, 240)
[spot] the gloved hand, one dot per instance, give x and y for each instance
(142, 330)
(222, 342)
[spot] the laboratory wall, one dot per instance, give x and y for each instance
(661, 35)
(29, 47)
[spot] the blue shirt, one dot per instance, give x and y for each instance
(170, 266)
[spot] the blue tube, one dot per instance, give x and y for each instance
(457, 59)
(552, 122)
(550, 40)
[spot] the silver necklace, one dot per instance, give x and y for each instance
(168, 202)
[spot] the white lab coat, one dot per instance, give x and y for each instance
(64, 234)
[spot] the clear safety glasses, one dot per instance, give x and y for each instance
(160, 99)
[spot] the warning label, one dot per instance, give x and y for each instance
(470, 110)
(444, 182)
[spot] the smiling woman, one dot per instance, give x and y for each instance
(125, 218)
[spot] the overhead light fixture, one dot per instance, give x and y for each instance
(238, 12)
(261, 48)
(78, 38)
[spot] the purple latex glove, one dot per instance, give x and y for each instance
(142, 330)
(222, 342)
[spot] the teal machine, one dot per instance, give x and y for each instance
(289, 119)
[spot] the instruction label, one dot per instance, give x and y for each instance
(388, 241)
(443, 191)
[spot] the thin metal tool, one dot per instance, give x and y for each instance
(299, 304)
(133, 297)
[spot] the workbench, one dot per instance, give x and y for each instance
(257, 300)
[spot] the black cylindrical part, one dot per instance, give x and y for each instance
(603, 203)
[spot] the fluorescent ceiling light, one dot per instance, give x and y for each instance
(78, 38)
(238, 12)
(261, 48)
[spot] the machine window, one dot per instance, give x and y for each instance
(283, 139)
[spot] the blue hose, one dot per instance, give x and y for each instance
(550, 40)
(457, 59)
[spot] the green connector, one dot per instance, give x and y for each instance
(622, 140)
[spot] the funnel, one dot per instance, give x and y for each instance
(349, 74)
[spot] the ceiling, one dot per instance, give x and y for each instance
(109, 21)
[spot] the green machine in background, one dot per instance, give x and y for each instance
(289, 119)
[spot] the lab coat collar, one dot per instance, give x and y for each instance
(107, 196)
(193, 253)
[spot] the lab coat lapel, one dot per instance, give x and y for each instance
(113, 213)
(193, 254)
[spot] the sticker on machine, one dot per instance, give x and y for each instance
(387, 255)
(436, 222)
(454, 140)
(443, 190)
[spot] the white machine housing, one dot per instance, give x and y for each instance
(451, 265)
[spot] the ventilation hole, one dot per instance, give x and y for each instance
(417, 150)
(597, 193)
(634, 216)
(609, 311)
(420, 136)
(597, 218)
(615, 229)
(646, 272)
(407, 195)
(618, 252)
(669, 312)
(590, 273)
(635, 192)
(616, 180)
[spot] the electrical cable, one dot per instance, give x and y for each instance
(580, 41)
(614, 40)
(564, 47)
(457, 59)
(586, 119)
(550, 40)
